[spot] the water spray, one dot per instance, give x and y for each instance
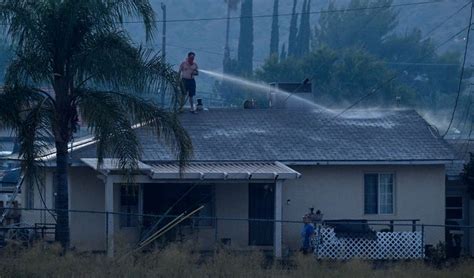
(261, 87)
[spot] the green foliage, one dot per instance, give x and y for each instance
(232, 4)
(364, 52)
(80, 51)
(283, 53)
(468, 175)
(338, 76)
(362, 28)
(245, 50)
(304, 32)
(5, 56)
(292, 37)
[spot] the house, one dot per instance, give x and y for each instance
(267, 163)
(459, 202)
(9, 170)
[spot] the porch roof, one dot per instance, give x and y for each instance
(205, 170)
(225, 171)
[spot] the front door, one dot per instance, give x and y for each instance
(261, 206)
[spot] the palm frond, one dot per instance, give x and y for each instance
(111, 61)
(110, 115)
(19, 18)
(140, 9)
(30, 114)
(28, 67)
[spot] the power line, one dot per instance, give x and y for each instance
(395, 76)
(462, 71)
(446, 20)
(262, 61)
(390, 63)
(289, 14)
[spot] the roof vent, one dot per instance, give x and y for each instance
(199, 105)
(250, 104)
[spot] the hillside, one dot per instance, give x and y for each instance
(207, 37)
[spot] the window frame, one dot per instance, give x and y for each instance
(446, 208)
(379, 174)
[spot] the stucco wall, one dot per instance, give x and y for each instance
(338, 191)
(42, 198)
(87, 192)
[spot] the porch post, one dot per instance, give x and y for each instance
(278, 217)
(109, 207)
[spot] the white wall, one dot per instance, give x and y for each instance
(42, 198)
(338, 191)
(87, 192)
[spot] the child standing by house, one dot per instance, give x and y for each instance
(306, 235)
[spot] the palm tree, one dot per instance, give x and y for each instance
(80, 50)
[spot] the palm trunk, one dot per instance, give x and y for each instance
(62, 201)
(62, 137)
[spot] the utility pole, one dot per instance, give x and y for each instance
(163, 51)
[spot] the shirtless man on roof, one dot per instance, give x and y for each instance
(187, 70)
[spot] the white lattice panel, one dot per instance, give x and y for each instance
(387, 245)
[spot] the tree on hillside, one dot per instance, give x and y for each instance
(245, 50)
(364, 27)
(434, 76)
(80, 50)
(274, 39)
(283, 52)
(338, 76)
(304, 32)
(227, 63)
(292, 37)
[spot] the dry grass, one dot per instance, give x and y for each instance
(180, 261)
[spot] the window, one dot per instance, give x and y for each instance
(179, 197)
(378, 193)
(128, 206)
(454, 208)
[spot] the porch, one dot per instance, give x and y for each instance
(236, 190)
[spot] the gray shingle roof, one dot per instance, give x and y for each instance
(302, 135)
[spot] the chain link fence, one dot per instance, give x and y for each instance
(98, 231)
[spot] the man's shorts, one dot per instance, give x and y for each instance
(189, 86)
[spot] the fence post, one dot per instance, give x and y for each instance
(215, 230)
(106, 231)
(391, 226)
(413, 227)
(422, 240)
(318, 241)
